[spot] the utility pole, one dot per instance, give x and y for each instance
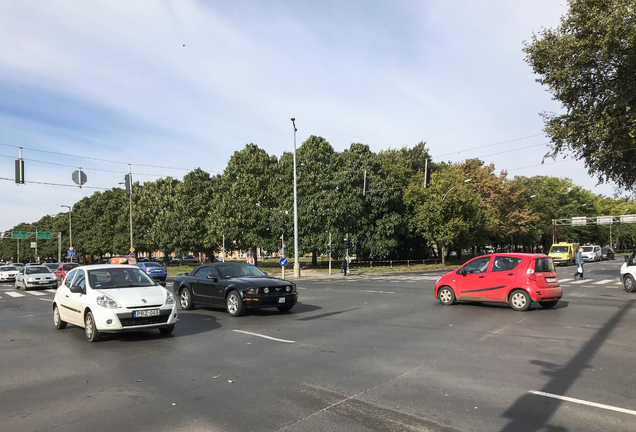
(59, 247)
(296, 262)
(130, 196)
(329, 253)
(36, 245)
(223, 247)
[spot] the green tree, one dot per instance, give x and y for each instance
(588, 64)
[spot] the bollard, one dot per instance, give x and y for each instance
(407, 263)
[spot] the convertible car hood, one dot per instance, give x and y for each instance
(133, 297)
(260, 282)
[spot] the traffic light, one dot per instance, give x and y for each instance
(328, 247)
(427, 178)
(348, 243)
(128, 182)
(365, 191)
(300, 242)
(280, 243)
(19, 171)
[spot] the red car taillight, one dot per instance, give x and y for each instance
(147, 270)
(530, 272)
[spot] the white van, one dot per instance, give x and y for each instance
(591, 253)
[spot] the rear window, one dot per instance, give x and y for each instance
(152, 264)
(68, 267)
(543, 265)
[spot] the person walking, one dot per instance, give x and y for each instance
(579, 262)
(345, 266)
(250, 258)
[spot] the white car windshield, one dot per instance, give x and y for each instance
(588, 249)
(9, 268)
(37, 269)
(119, 278)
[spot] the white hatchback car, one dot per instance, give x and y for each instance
(113, 298)
(628, 273)
(591, 253)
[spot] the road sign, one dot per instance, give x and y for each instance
(44, 235)
(132, 254)
(19, 235)
(71, 248)
(283, 262)
(34, 245)
(79, 177)
(71, 254)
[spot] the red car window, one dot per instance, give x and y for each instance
(504, 263)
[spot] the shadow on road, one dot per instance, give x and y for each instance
(531, 413)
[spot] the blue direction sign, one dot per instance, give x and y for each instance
(71, 254)
(283, 262)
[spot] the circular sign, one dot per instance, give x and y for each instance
(71, 248)
(283, 262)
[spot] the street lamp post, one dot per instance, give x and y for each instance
(296, 262)
(70, 232)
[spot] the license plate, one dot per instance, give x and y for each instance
(44, 282)
(550, 280)
(145, 313)
(281, 300)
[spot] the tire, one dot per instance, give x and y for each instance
(520, 300)
(285, 308)
(16, 285)
(446, 296)
(185, 299)
(57, 320)
(166, 330)
(234, 304)
(92, 334)
(548, 304)
(628, 283)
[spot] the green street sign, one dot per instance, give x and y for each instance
(19, 235)
(44, 235)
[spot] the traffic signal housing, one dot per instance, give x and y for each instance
(427, 178)
(348, 243)
(128, 182)
(280, 243)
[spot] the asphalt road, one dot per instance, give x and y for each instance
(361, 353)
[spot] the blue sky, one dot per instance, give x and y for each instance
(113, 80)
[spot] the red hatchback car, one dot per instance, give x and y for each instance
(516, 279)
(63, 269)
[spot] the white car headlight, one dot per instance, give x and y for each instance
(107, 302)
(31, 279)
(170, 298)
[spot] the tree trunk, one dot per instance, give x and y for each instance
(314, 258)
(443, 250)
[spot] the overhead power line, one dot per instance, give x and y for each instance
(487, 145)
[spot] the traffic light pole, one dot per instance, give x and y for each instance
(130, 196)
(282, 242)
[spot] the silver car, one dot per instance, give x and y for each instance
(35, 276)
(8, 273)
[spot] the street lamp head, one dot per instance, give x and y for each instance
(583, 205)
(467, 180)
(532, 196)
(293, 119)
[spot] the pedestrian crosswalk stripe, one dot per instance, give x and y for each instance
(51, 290)
(15, 294)
(565, 280)
(579, 282)
(36, 293)
(603, 281)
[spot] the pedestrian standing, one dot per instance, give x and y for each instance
(345, 266)
(250, 258)
(579, 262)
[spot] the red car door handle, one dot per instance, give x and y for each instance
(510, 274)
(481, 277)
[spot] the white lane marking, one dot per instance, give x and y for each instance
(581, 281)
(619, 283)
(14, 294)
(51, 290)
(46, 300)
(381, 292)
(565, 280)
(263, 336)
(604, 281)
(582, 402)
(36, 293)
